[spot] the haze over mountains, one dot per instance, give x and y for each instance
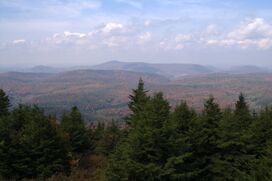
(93, 91)
(178, 70)
(101, 91)
(170, 70)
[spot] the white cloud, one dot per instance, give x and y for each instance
(179, 46)
(252, 29)
(68, 38)
(251, 33)
(109, 35)
(79, 35)
(19, 41)
(176, 42)
(143, 38)
(123, 35)
(211, 29)
(147, 23)
(265, 43)
(183, 38)
(109, 27)
(256, 33)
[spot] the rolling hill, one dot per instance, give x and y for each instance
(168, 70)
(93, 91)
(247, 69)
(103, 94)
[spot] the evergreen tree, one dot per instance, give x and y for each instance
(30, 146)
(4, 147)
(183, 117)
(137, 102)
(160, 145)
(4, 103)
(261, 131)
(109, 139)
(143, 155)
(204, 139)
(237, 159)
(4, 134)
(178, 163)
(45, 145)
(74, 126)
(99, 132)
(242, 114)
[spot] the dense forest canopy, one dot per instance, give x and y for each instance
(156, 143)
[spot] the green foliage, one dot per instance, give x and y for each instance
(182, 145)
(4, 103)
(237, 157)
(108, 138)
(203, 139)
(137, 102)
(242, 114)
(182, 117)
(74, 126)
(261, 131)
(30, 146)
(157, 145)
(144, 153)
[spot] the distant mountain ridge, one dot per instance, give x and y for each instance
(168, 70)
(44, 69)
(246, 69)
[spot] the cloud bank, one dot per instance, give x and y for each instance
(94, 31)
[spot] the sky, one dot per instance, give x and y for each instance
(88, 32)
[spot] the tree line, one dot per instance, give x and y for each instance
(36, 146)
(156, 143)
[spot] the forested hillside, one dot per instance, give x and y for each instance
(98, 94)
(156, 142)
(102, 94)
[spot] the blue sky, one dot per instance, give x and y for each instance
(81, 32)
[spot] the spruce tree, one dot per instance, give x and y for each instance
(137, 102)
(237, 159)
(109, 139)
(183, 117)
(4, 103)
(44, 145)
(31, 146)
(73, 124)
(261, 131)
(145, 152)
(204, 139)
(242, 113)
(178, 163)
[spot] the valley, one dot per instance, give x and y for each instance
(103, 94)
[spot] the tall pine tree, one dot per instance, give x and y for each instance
(177, 166)
(137, 102)
(237, 159)
(204, 139)
(4, 103)
(261, 131)
(242, 114)
(79, 139)
(31, 146)
(145, 152)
